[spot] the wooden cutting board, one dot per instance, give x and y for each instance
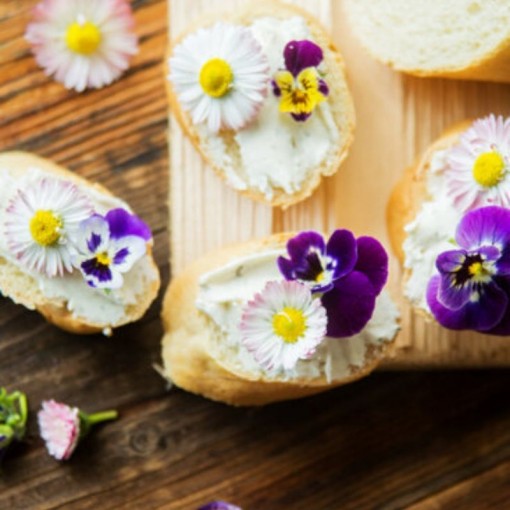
(397, 117)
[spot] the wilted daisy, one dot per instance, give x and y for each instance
(478, 171)
(83, 43)
(282, 324)
(41, 219)
(63, 426)
(106, 251)
(220, 75)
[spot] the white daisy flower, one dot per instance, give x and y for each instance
(478, 167)
(83, 43)
(220, 75)
(40, 220)
(282, 324)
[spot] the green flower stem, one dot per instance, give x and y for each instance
(102, 416)
(89, 420)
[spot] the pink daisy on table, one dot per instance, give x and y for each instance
(63, 426)
(83, 43)
(282, 324)
(478, 167)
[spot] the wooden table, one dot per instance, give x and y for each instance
(394, 440)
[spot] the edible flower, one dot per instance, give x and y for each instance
(40, 220)
(282, 324)
(83, 43)
(219, 505)
(346, 273)
(63, 426)
(300, 86)
(13, 418)
(478, 167)
(109, 246)
(472, 289)
(220, 75)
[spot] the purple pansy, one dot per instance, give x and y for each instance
(472, 289)
(110, 246)
(349, 274)
(219, 505)
(300, 87)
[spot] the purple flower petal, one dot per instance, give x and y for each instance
(299, 246)
(503, 264)
(123, 224)
(93, 242)
(323, 88)
(299, 55)
(450, 261)
(300, 117)
(99, 272)
(503, 326)
(481, 315)
(450, 294)
(219, 505)
(484, 226)
(349, 305)
(372, 262)
(120, 256)
(342, 248)
(276, 90)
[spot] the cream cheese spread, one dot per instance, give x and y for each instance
(224, 292)
(430, 233)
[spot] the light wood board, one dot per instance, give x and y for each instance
(398, 116)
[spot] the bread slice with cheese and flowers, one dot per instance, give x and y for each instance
(70, 249)
(279, 318)
(262, 94)
(449, 223)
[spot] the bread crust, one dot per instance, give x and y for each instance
(340, 94)
(24, 288)
(187, 357)
(493, 66)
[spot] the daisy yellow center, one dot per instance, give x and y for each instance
(289, 324)
(216, 77)
(83, 38)
(45, 227)
(103, 259)
(488, 169)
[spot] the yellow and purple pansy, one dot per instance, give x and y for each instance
(472, 289)
(109, 246)
(300, 87)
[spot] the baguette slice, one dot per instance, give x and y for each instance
(230, 164)
(197, 357)
(463, 39)
(24, 288)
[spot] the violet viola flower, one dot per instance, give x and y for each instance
(110, 246)
(300, 87)
(219, 505)
(472, 290)
(348, 273)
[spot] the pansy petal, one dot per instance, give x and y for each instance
(484, 226)
(323, 88)
(489, 253)
(349, 305)
(299, 246)
(286, 267)
(342, 249)
(503, 326)
(299, 55)
(450, 261)
(122, 224)
(94, 235)
(126, 251)
(503, 264)
(480, 315)
(451, 295)
(372, 261)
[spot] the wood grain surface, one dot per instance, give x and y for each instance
(397, 118)
(394, 440)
